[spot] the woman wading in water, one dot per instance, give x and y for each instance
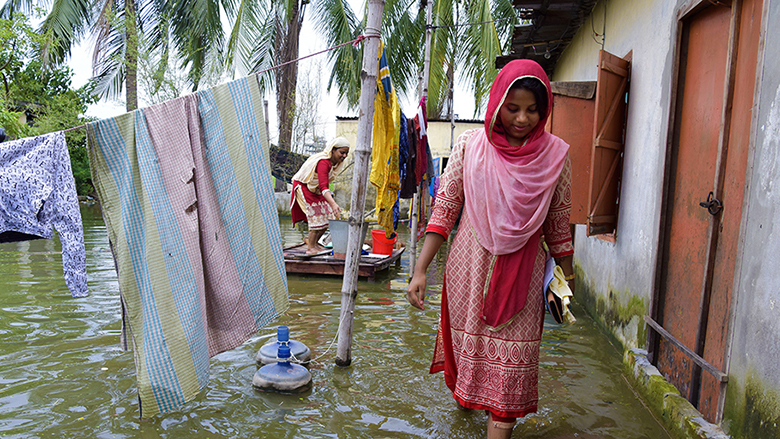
(512, 182)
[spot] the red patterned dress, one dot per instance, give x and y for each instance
(488, 369)
(311, 206)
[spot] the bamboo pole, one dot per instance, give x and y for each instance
(368, 77)
(423, 92)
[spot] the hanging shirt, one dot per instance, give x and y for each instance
(37, 191)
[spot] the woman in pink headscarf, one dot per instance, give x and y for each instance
(512, 182)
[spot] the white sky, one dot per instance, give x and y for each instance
(311, 42)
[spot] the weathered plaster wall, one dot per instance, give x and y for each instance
(753, 398)
(616, 279)
(620, 274)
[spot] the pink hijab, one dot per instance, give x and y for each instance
(508, 190)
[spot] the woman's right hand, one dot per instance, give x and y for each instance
(336, 210)
(415, 292)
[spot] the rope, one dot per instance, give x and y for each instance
(314, 360)
(74, 128)
(354, 42)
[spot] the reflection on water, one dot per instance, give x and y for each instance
(62, 373)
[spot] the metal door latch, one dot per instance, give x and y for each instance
(713, 205)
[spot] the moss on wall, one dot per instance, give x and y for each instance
(752, 411)
(621, 313)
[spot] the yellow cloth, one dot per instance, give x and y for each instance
(385, 175)
(560, 288)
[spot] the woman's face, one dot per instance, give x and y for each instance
(519, 115)
(338, 155)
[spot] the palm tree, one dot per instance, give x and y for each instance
(124, 28)
(470, 41)
(265, 33)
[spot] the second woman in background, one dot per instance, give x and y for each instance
(312, 201)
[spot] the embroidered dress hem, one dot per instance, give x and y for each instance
(313, 208)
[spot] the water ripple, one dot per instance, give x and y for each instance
(62, 373)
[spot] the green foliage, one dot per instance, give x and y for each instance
(11, 122)
(41, 96)
(467, 37)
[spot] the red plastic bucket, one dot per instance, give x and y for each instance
(382, 245)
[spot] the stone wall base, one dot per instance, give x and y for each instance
(676, 413)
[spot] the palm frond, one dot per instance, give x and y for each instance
(403, 29)
(482, 47)
(108, 64)
(10, 7)
(247, 33)
(506, 19)
(197, 34)
(336, 20)
(443, 44)
(63, 27)
(264, 51)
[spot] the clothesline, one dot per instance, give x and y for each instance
(354, 42)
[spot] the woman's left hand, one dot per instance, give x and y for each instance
(415, 292)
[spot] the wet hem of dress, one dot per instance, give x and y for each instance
(501, 413)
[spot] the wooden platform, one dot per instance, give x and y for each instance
(296, 261)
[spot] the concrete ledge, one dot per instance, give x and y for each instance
(676, 413)
(283, 202)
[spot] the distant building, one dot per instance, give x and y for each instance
(440, 132)
(439, 138)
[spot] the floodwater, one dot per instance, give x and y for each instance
(62, 373)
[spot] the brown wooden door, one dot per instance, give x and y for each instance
(708, 156)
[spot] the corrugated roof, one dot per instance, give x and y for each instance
(552, 25)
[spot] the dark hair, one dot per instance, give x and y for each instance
(536, 87)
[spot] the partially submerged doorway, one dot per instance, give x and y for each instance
(703, 196)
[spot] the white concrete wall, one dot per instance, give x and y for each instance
(625, 268)
(756, 330)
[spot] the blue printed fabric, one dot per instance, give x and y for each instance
(37, 191)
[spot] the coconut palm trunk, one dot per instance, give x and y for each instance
(131, 57)
(287, 76)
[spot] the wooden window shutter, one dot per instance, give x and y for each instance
(571, 119)
(608, 142)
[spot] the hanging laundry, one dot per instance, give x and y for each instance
(421, 127)
(186, 192)
(403, 148)
(408, 178)
(430, 172)
(403, 153)
(384, 157)
(37, 191)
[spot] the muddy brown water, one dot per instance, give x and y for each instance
(63, 374)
